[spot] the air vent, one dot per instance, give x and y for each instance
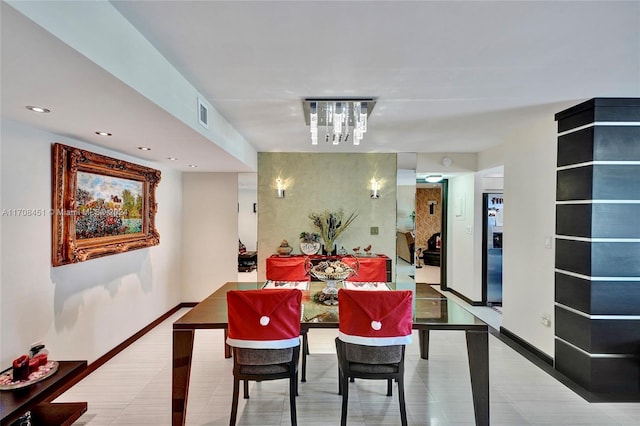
(203, 113)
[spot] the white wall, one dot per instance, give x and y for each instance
(460, 162)
(529, 217)
(210, 233)
(462, 248)
(80, 311)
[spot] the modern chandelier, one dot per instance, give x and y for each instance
(337, 120)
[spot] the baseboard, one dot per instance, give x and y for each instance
(115, 351)
(523, 344)
(545, 362)
(463, 297)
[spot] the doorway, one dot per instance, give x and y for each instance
(493, 210)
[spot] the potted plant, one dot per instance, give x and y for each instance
(309, 242)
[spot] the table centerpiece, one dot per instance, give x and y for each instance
(332, 273)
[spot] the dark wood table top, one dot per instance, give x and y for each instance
(15, 402)
(432, 310)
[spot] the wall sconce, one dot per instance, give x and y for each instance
(374, 188)
(279, 188)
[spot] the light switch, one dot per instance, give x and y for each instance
(374, 230)
(548, 241)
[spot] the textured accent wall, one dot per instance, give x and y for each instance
(427, 224)
(318, 182)
(597, 279)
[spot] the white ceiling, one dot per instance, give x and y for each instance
(448, 76)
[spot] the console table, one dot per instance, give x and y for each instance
(289, 268)
(35, 398)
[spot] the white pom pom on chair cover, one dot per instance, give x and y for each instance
(264, 319)
(373, 318)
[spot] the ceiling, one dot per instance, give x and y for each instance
(446, 76)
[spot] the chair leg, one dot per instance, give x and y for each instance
(234, 403)
(403, 407)
(345, 401)
(293, 391)
(389, 387)
(340, 379)
(305, 352)
(246, 389)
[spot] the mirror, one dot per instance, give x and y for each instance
(428, 232)
(405, 221)
(247, 227)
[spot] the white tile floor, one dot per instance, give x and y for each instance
(134, 388)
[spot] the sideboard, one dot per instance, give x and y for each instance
(373, 268)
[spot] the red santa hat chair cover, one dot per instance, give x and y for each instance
(264, 319)
(375, 318)
(295, 268)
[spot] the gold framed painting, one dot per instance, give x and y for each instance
(100, 205)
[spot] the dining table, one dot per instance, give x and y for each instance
(431, 311)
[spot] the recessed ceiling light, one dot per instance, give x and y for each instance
(193, 166)
(103, 133)
(38, 109)
(172, 158)
(144, 148)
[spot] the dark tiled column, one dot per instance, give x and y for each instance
(597, 279)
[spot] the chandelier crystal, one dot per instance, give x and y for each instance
(337, 120)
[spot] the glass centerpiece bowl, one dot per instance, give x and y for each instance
(332, 273)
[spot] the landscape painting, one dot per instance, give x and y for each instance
(101, 206)
(107, 206)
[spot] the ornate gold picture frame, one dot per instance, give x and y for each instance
(100, 205)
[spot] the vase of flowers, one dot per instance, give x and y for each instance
(331, 225)
(309, 243)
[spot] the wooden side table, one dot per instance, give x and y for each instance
(35, 398)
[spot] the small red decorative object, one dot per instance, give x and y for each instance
(21, 368)
(34, 365)
(42, 358)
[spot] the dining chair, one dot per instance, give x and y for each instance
(374, 328)
(295, 268)
(264, 334)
